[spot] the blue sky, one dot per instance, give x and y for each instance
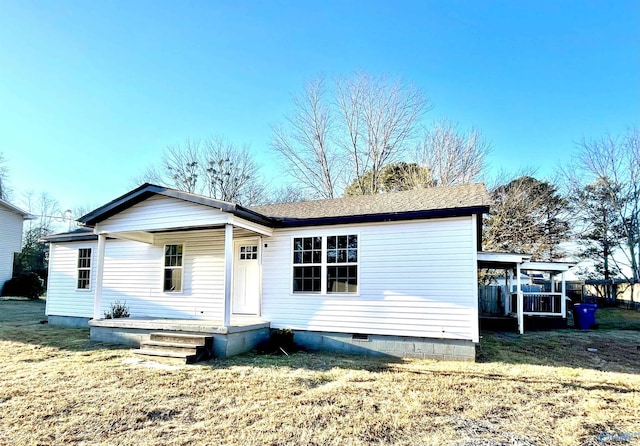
(92, 92)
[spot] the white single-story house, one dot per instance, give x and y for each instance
(11, 222)
(392, 274)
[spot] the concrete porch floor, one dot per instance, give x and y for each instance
(243, 335)
(238, 324)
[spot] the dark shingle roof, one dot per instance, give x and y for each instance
(77, 235)
(452, 198)
(414, 204)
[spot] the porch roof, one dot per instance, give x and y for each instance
(503, 260)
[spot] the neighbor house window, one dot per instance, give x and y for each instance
(325, 264)
(84, 268)
(173, 268)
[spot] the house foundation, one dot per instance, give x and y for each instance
(68, 321)
(384, 345)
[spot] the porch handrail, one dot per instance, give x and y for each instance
(541, 303)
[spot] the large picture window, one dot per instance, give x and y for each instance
(173, 268)
(325, 264)
(84, 268)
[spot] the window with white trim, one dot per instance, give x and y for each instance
(325, 265)
(84, 269)
(342, 264)
(173, 268)
(307, 261)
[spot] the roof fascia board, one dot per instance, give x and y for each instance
(145, 191)
(372, 218)
(69, 238)
(251, 226)
(503, 257)
(547, 266)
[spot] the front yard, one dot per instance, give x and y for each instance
(544, 388)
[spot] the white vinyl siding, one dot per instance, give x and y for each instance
(84, 268)
(133, 273)
(159, 212)
(63, 296)
(10, 241)
(416, 278)
(173, 270)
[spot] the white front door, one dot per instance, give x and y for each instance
(246, 277)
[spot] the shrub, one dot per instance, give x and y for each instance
(26, 284)
(117, 310)
(279, 340)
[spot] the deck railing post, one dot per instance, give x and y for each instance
(97, 298)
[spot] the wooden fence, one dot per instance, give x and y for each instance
(491, 300)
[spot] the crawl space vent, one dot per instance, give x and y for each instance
(359, 337)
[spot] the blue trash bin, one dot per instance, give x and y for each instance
(585, 315)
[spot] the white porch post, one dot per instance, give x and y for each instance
(563, 298)
(520, 300)
(97, 298)
(228, 272)
(507, 294)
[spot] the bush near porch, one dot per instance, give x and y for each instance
(57, 387)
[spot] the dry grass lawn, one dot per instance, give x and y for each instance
(545, 388)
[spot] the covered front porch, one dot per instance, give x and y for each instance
(183, 264)
(525, 303)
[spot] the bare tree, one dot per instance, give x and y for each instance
(379, 117)
(214, 167)
(454, 157)
(4, 173)
(613, 162)
(181, 164)
(304, 144)
(47, 211)
(286, 194)
(230, 173)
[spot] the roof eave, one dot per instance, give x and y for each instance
(24, 214)
(146, 190)
(389, 216)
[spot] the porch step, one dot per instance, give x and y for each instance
(185, 348)
(175, 347)
(180, 337)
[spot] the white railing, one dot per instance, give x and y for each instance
(540, 303)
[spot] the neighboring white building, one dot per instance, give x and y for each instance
(393, 273)
(11, 220)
